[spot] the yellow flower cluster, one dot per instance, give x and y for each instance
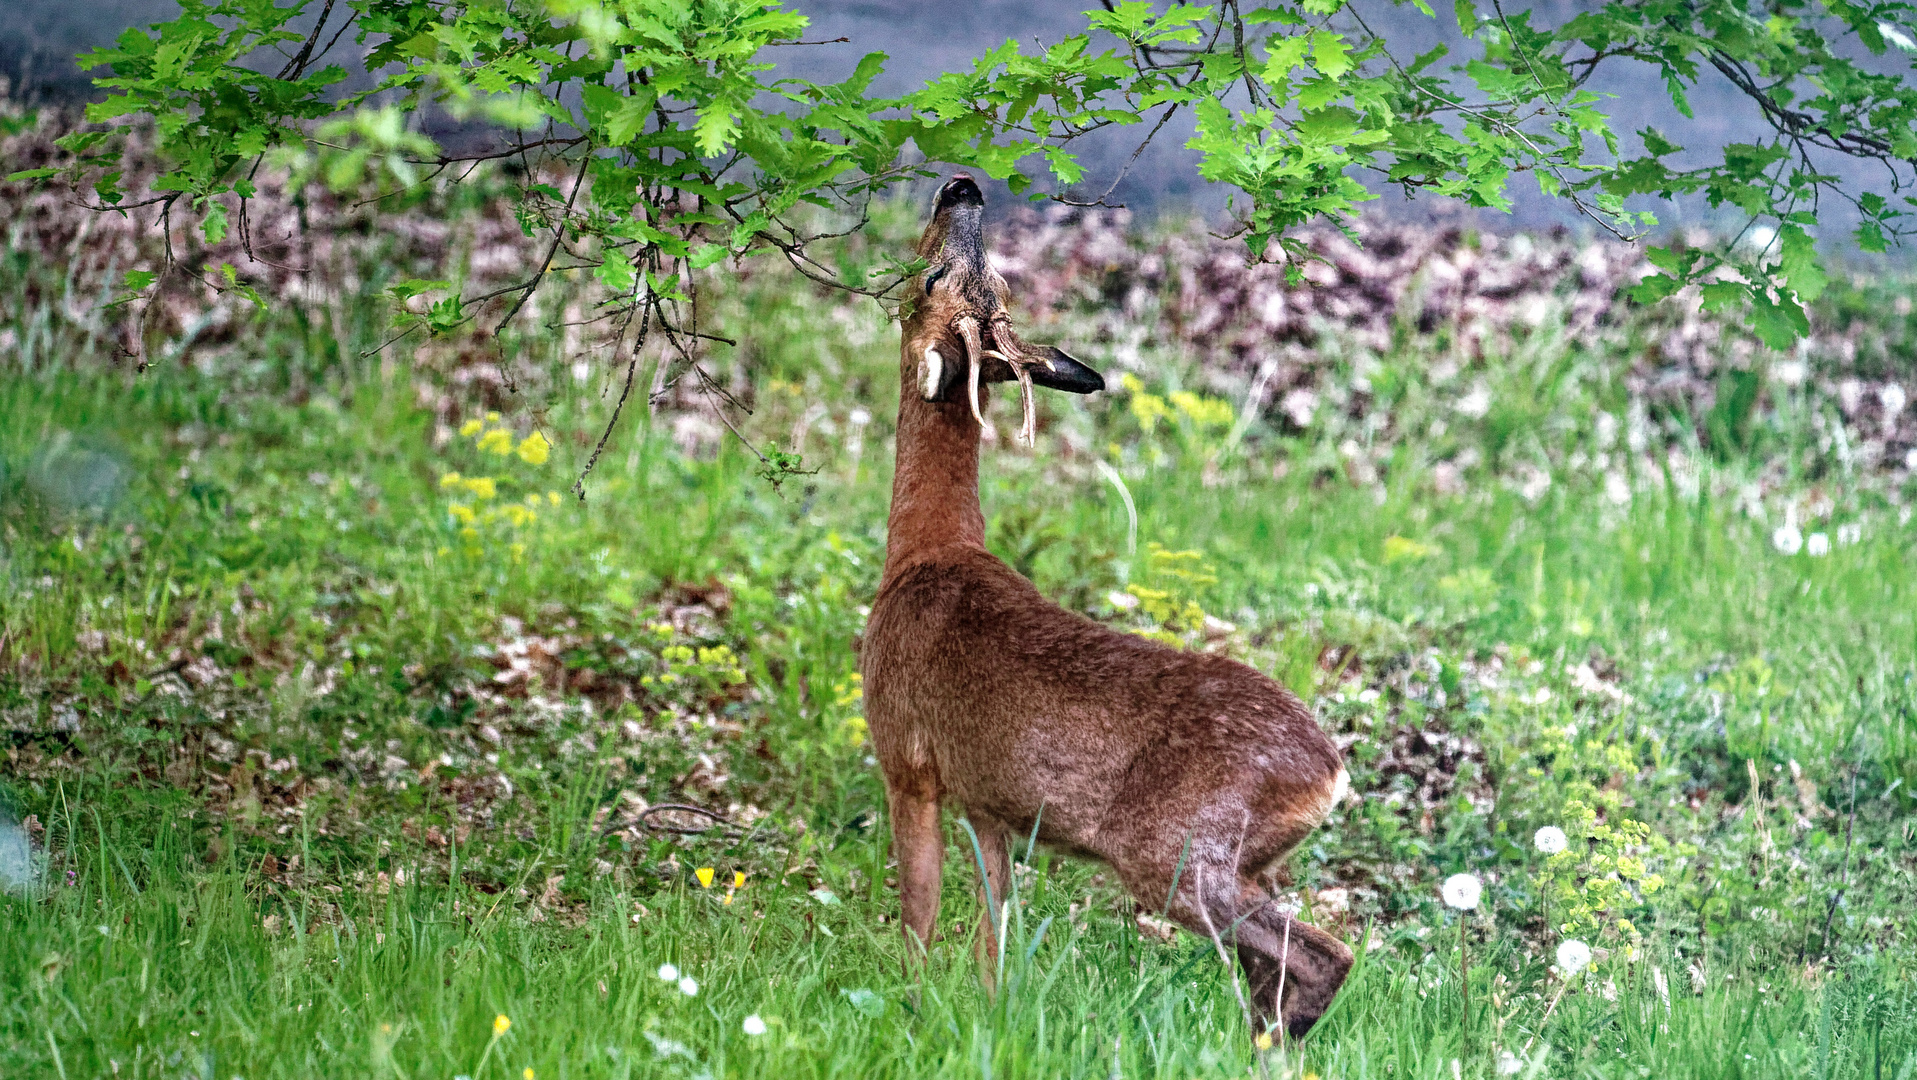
(712, 666)
(705, 876)
(1174, 612)
(1148, 408)
(491, 439)
(480, 513)
(1594, 876)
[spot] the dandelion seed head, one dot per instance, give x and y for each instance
(753, 1025)
(1787, 539)
(1573, 955)
(668, 973)
(689, 986)
(1817, 545)
(1550, 840)
(1462, 891)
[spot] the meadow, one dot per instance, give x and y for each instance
(342, 739)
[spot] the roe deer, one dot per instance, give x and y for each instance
(1188, 773)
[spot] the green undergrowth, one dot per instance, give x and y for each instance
(337, 725)
(153, 962)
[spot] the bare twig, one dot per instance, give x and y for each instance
(558, 231)
(632, 365)
(1850, 825)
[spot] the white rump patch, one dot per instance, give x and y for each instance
(1339, 789)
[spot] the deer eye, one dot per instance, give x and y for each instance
(932, 278)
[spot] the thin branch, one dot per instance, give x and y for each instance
(1129, 162)
(296, 66)
(632, 365)
(558, 231)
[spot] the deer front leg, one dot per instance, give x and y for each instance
(920, 851)
(993, 883)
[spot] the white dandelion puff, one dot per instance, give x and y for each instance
(753, 1025)
(1461, 891)
(689, 986)
(1550, 840)
(1817, 545)
(1573, 955)
(1787, 539)
(668, 973)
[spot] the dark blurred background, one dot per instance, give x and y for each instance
(38, 39)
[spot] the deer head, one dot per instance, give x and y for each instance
(958, 328)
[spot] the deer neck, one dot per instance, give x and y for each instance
(935, 484)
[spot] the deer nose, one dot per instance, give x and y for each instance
(961, 190)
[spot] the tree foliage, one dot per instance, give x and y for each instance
(689, 147)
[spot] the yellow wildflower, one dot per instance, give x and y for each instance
(738, 879)
(498, 440)
(469, 533)
(528, 1074)
(451, 479)
(854, 728)
(482, 486)
(534, 448)
(492, 418)
(461, 513)
(470, 428)
(501, 1025)
(1263, 1041)
(552, 497)
(704, 874)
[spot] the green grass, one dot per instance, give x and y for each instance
(232, 595)
(156, 964)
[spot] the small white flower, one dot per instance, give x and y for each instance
(1573, 955)
(1461, 891)
(1817, 545)
(1550, 840)
(689, 986)
(753, 1025)
(1787, 539)
(1123, 601)
(1508, 1063)
(668, 973)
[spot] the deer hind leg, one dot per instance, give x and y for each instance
(919, 847)
(993, 851)
(1294, 968)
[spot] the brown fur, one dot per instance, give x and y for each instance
(982, 693)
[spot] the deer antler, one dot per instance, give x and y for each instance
(1005, 336)
(967, 327)
(976, 353)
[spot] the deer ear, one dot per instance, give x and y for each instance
(934, 374)
(1058, 371)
